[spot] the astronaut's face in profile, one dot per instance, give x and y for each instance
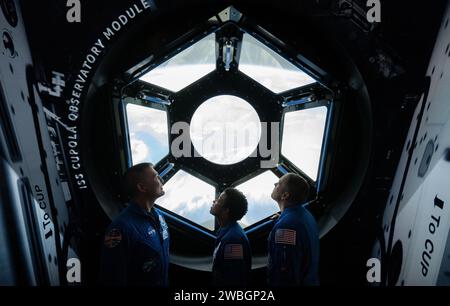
(218, 205)
(152, 183)
(278, 191)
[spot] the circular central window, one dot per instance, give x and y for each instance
(225, 130)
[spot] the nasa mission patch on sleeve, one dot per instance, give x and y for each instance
(286, 236)
(233, 251)
(113, 238)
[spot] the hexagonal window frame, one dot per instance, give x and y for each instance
(229, 27)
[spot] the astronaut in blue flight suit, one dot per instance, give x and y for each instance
(232, 257)
(294, 239)
(135, 249)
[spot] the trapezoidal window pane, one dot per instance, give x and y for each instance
(189, 197)
(185, 67)
(269, 68)
(302, 138)
(258, 192)
(148, 132)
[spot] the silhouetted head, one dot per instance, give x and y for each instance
(142, 181)
(231, 205)
(291, 189)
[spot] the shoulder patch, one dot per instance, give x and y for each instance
(113, 238)
(286, 236)
(233, 251)
(151, 231)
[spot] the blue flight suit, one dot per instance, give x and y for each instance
(136, 249)
(294, 249)
(232, 258)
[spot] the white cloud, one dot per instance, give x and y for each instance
(176, 78)
(258, 192)
(148, 120)
(277, 79)
(139, 150)
(189, 197)
(269, 68)
(302, 138)
(192, 198)
(186, 67)
(225, 129)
